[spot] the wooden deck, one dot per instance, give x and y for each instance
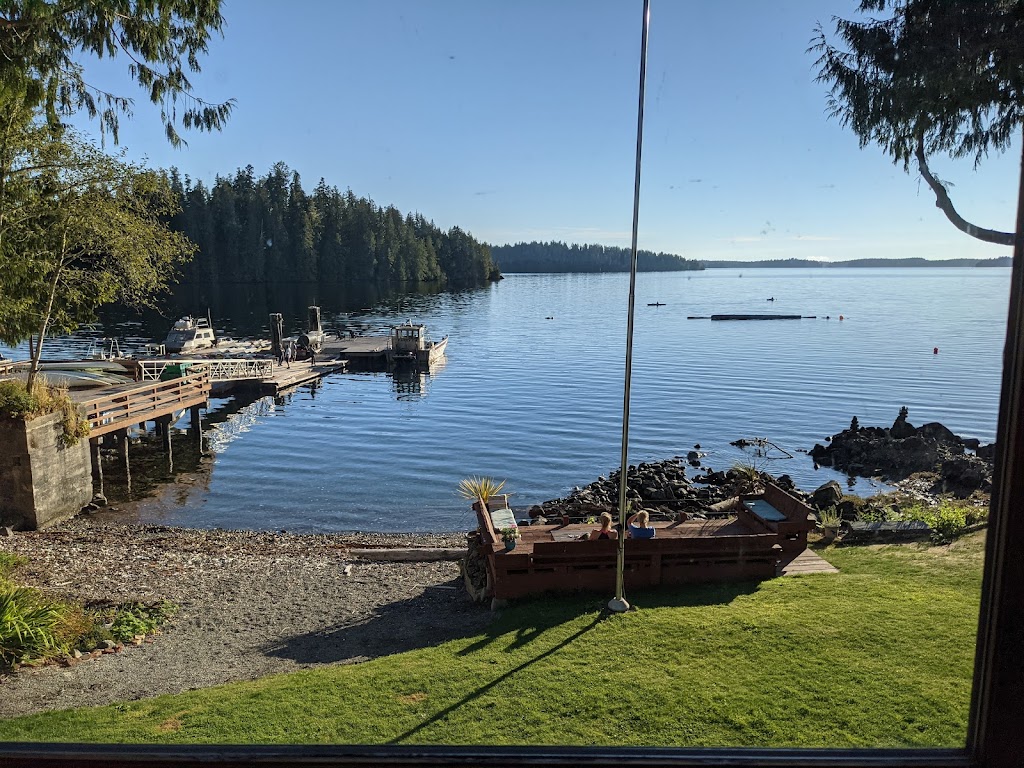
(366, 349)
(554, 558)
(767, 538)
(539, 534)
(807, 562)
(285, 378)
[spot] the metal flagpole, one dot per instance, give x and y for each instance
(618, 603)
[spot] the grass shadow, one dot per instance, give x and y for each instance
(440, 613)
(478, 692)
(530, 618)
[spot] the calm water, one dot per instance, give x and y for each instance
(532, 389)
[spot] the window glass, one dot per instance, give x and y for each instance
(297, 532)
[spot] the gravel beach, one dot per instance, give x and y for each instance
(250, 604)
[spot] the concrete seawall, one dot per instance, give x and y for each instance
(42, 481)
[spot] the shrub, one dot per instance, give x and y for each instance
(947, 520)
(133, 619)
(29, 625)
(81, 630)
(830, 518)
(8, 562)
(17, 402)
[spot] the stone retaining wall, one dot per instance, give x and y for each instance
(41, 480)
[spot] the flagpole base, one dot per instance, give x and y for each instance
(618, 605)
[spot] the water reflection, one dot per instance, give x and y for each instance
(411, 383)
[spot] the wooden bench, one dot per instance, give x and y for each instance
(776, 511)
(900, 530)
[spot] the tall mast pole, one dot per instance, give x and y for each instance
(618, 603)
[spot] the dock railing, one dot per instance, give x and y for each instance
(8, 367)
(232, 369)
(145, 401)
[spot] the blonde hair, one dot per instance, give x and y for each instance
(642, 517)
(606, 521)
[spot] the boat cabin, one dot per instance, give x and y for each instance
(408, 338)
(188, 334)
(408, 344)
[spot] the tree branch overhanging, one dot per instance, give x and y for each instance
(943, 203)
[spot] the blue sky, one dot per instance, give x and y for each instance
(516, 121)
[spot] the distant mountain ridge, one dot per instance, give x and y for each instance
(1002, 261)
(556, 256)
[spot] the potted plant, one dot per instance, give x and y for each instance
(510, 536)
(829, 521)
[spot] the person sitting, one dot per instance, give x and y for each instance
(605, 531)
(638, 527)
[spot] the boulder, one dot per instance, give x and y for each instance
(901, 428)
(893, 454)
(827, 495)
(965, 474)
(785, 482)
(935, 431)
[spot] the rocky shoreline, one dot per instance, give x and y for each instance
(922, 463)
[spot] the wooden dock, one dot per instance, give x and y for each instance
(360, 351)
(117, 408)
(284, 378)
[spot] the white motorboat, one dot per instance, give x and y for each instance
(190, 334)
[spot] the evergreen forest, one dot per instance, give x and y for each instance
(560, 257)
(269, 229)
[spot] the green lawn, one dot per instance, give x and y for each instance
(879, 655)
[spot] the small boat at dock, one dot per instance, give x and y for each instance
(409, 345)
(190, 334)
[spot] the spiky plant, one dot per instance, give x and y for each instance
(484, 488)
(830, 518)
(28, 625)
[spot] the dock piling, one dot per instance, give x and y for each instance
(196, 426)
(122, 444)
(97, 465)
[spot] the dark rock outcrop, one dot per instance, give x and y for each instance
(902, 450)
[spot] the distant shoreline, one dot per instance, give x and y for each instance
(1002, 262)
